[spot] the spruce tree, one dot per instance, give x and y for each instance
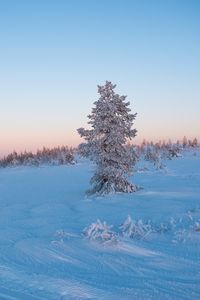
(106, 142)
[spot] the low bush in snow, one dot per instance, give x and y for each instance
(179, 230)
(101, 232)
(136, 229)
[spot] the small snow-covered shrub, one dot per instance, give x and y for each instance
(197, 227)
(136, 229)
(101, 232)
(180, 236)
(174, 152)
(140, 229)
(155, 156)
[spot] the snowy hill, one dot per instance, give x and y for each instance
(48, 249)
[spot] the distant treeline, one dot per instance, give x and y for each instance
(54, 156)
(159, 152)
(155, 152)
(162, 144)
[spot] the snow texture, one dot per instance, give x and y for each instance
(45, 255)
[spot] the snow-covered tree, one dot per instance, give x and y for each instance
(154, 155)
(106, 142)
(185, 141)
(195, 142)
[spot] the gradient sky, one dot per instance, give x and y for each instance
(54, 53)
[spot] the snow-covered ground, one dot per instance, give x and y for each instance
(44, 253)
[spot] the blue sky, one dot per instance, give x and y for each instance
(54, 53)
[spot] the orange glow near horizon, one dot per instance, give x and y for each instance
(25, 136)
(21, 141)
(33, 142)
